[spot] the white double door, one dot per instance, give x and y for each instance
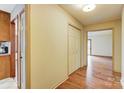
(73, 49)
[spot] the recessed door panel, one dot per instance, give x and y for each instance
(73, 49)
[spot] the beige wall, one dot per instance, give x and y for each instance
(116, 27)
(48, 27)
(101, 43)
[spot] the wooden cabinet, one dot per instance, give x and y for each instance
(4, 26)
(4, 36)
(4, 67)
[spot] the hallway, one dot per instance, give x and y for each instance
(98, 75)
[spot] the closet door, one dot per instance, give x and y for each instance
(73, 49)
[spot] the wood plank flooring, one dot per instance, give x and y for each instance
(98, 75)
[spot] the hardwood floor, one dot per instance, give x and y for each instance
(98, 75)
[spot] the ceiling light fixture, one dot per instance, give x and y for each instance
(88, 7)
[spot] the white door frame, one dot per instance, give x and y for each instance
(22, 42)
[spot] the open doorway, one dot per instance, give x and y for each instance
(100, 44)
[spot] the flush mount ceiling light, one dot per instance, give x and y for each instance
(88, 7)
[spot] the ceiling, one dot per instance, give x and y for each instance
(7, 7)
(102, 13)
(99, 33)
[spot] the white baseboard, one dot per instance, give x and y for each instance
(60, 83)
(122, 83)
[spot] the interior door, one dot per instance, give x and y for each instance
(73, 49)
(20, 49)
(22, 38)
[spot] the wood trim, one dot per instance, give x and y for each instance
(28, 49)
(4, 12)
(12, 56)
(16, 49)
(110, 28)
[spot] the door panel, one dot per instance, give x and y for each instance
(73, 49)
(71, 56)
(22, 50)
